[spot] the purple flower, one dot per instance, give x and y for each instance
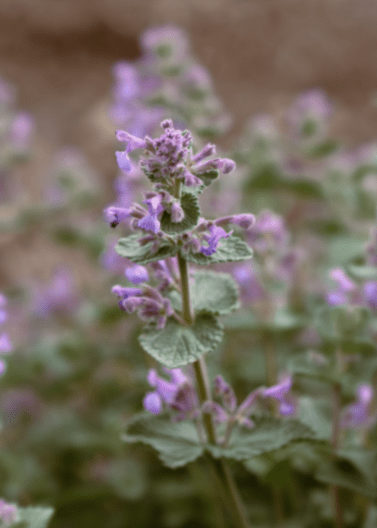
(250, 287)
(114, 215)
(58, 296)
(8, 514)
(358, 415)
(280, 393)
(132, 143)
(208, 150)
(137, 274)
(344, 288)
(216, 233)
(5, 344)
(226, 392)
(178, 394)
(244, 220)
(150, 222)
(152, 402)
(124, 293)
(370, 293)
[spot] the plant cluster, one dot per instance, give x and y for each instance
(243, 345)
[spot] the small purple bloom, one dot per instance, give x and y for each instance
(216, 233)
(114, 215)
(344, 283)
(150, 222)
(216, 410)
(137, 274)
(279, 393)
(8, 514)
(208, 150)
(223, 389)
(5, 344)
(370, 293)
(152, 402)
(358, 415)
(242, 220)
(124, 293)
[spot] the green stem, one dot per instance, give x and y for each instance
(234, 500)
(337, 402)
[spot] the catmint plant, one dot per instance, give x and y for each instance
(181, 305)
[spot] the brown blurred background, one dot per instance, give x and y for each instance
(261, 54)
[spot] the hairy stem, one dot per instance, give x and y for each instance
(334, 445)
(221, 467)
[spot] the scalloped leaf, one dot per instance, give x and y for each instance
(190, 206)
(268, 435)
(231, 249)
(214, 292)
(177, 443)
(177, 345)
(130, 248)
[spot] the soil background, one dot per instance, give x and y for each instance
(261, 54)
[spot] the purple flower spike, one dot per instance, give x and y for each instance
(216, 233)
(137, 274)
(336, 298)
(370, 294)
(152, 402)
(114, 215)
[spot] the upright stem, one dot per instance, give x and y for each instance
(221, 467)
(335, 440)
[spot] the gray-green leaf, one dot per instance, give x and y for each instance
(229, 249)
(214, 292)
(177, 345)
(35, 517)
(130, 248)
(191, 209)
(177, 443)
(268, 435)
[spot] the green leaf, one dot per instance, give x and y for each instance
(268, 435)
(209, 176)
(360, 272)
(35, 517)
(229, 249)
(214, 292)
(130, 248)
(190, 206)
(353, 469)
(177, 443)
(346, 323)
(304, 365)
(177, 345)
